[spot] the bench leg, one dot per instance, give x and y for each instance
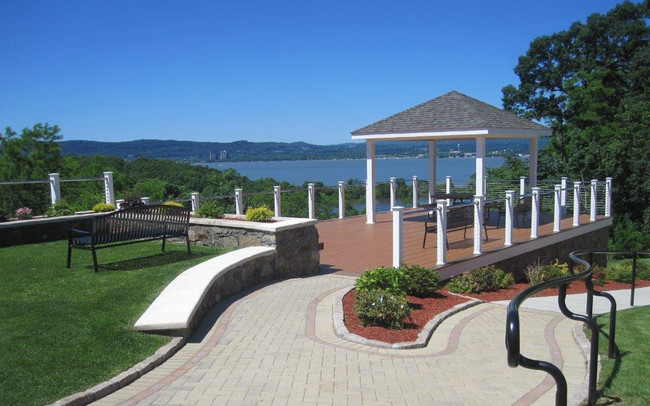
(95, 259)
(164, 239)
(187, 240)
(425, 236)
(69, 251)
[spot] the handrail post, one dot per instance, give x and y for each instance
(441, 233)
(510, 214)
(398, 236)
(633, 279)
(416, 192)
(108, 188)
(608, 197)
(564, 183)
(557, 209)
(593, 209)
(196, 201)
(590, 296)
(448, 188)
(393, 191)
(341, 199)
(239, 201)
(55, 188)
(576, 204)
(277, 200)
(478, 224)
(522, 185)
(534, 212)
(311, 200)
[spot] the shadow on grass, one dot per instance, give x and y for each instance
(161, 259)
(604, 385)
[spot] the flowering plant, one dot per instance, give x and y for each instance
(24, 213)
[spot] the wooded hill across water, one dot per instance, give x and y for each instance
(192, 151)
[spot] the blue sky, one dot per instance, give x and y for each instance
(260, 71)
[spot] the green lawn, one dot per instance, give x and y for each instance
(65, 330)
(624, 380)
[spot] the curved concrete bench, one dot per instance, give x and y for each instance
(180, 306)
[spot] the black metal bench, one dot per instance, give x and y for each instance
(457, 218)
(132, 225)
(524, 205)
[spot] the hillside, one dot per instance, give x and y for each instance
(192, 151)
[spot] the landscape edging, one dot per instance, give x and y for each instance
(585, 346)
(423, 338)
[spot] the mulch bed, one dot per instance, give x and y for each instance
(424, 309)
(427, 308)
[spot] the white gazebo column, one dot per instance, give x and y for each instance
(433, 152)
(480, 166)
(533, 162)
(370, 182)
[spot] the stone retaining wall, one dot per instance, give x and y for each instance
(42, 229)
(295, 240)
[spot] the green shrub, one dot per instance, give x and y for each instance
(173, 203)
(59, 209)
(394, 280)
(463, 284)
(622, 271)
(259, 214)
(210, 210)
(485, 279)
(598, 275)
(103, 207)
(541, 273)
(421, 281)
(377, 307)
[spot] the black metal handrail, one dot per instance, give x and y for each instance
(513, 344)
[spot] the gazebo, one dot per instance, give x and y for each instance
(452, 116)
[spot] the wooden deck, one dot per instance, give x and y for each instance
(352, 246)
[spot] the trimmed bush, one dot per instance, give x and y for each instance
(103, 207)
(377, 307)
(421, 281)
(394, 280)
(173, 203)
(210, 210)
(259, 214)
(485, 279)
(542, 273)
(622, 271)
(59, 209)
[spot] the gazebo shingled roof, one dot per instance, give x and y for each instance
(452, 111)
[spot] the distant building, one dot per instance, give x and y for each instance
(223, 155)
(213, 156)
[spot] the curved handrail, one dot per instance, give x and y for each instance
(513, 345)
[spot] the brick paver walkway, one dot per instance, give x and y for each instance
(276, 346)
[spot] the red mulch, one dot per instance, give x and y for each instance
(427, 308)
(424, 309)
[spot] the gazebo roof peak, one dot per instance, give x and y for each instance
(452, 115)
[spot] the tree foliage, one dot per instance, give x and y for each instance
(591, 85)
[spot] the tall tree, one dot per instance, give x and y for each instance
(590, 84)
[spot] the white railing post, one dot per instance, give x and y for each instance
(478, 224)
(393, 192)
(119, 203)
(485, 186)
(593, 209)
(398, 236)
(196, 201)
(311, 200)
(108, 188)
(145, 200)
(55, 188)
(239, 201)
(564, 183)
(341, 199)
(557, 208)
(441, 233)
(576, 203)
(522, 185)
(416, 192)
(510, 217)
(277, 201)
(448, 188)
(608, 197)
(534, 213)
